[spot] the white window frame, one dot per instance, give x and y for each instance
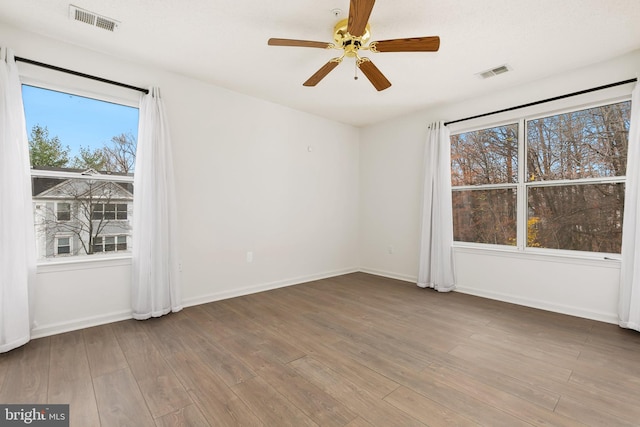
(57, 210)
(115, 212)
(593, 100)
(115, 243)
(56, 245)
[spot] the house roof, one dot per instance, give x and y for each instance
(224, 42)
(80, 170)
(70, 189)
(64, 188)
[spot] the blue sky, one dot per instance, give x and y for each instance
(75, 120)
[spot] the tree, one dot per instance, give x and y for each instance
(589, 144)
(95, 208)
(566, 206)
(90, 159)
(96, 211)
(120, 156)
(117, 156)
(45, 150)
(487, 156)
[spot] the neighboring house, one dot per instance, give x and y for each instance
(80, 217)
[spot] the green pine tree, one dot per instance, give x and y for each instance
(45, 150)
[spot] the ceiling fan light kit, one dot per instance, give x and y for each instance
(351, 36)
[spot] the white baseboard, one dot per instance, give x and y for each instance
(217, 296)
(73, 325)
(542, 305)
(527, 302)
(389, 274)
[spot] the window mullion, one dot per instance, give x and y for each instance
(581, 181)
(483, 187)
(522, 190)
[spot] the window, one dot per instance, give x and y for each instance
(110, 211)
(110, 244)
(484, 175)
(554, 182)
(63, 211)
(63, 245)
(82, 154)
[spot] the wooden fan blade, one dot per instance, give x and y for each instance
(298, 43)
(417, 44)
(359, 12)
(321, 73)
(375, 76)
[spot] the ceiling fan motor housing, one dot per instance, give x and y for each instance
(346, 41)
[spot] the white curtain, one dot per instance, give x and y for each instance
(436, 237)
(17, 241)
(629, 303)
(156, 281)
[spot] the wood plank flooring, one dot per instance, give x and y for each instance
(355, 350)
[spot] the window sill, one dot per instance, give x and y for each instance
(548, 255)
(83, 264)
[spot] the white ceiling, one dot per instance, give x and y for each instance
(224, 42)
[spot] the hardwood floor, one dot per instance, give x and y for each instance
(355, 350)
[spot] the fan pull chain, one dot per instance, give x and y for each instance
(355, 75)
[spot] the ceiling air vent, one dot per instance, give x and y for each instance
(99, 21)
(494, 71)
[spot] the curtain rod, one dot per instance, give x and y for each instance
(77, 73)
(555, 98)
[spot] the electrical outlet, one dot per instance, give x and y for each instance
(391, 249)
(249, 256)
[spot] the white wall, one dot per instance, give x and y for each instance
(247, 181)
(251, 176)
(391, 169)
(264, 179)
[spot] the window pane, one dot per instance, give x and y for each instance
(590, 143)
(86, 197)
(70, 131)
(110, 243)
(64, 246)
(485, 216)
(97, 244)
(79, 136)
(98, 209)
(487, 156)
(576, 217)
(122, 243)
(109, 211)
(63, 211)
(121, 212)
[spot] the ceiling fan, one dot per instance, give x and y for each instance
(351, 35)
